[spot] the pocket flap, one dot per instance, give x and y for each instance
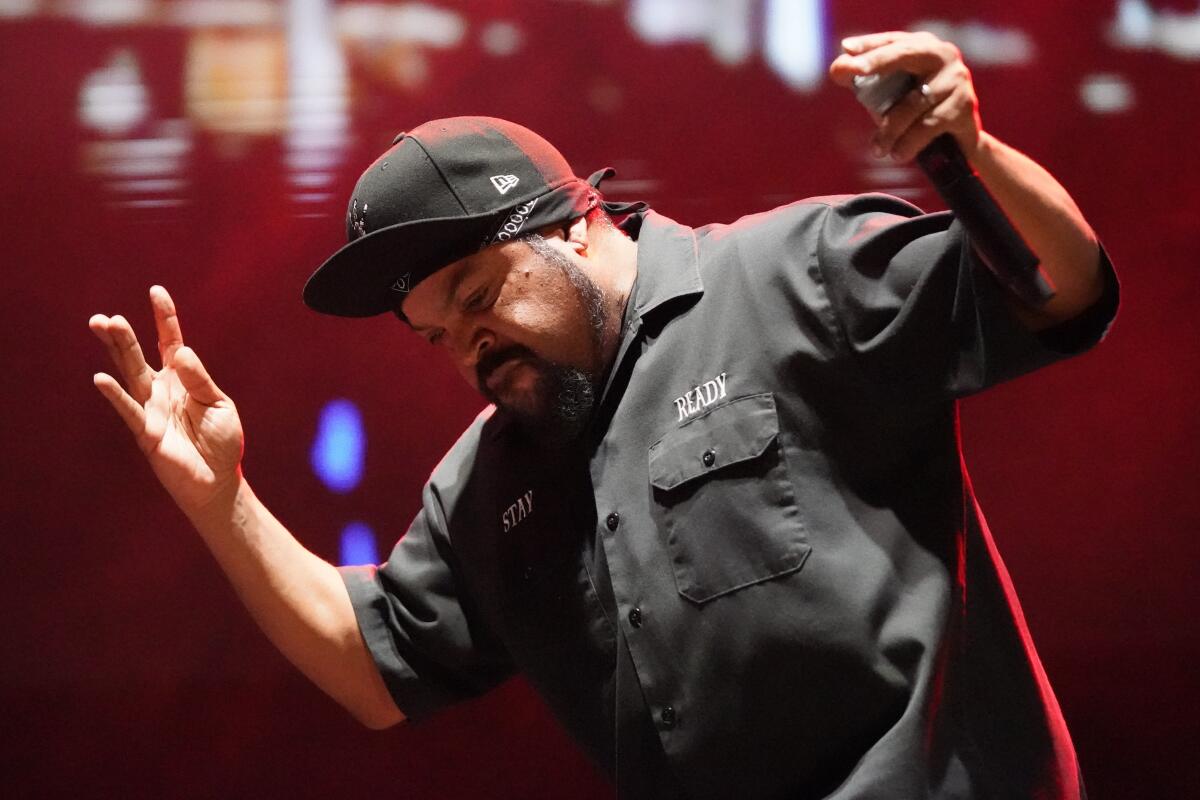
(737, 431)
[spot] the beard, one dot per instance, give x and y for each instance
(558, 407)
(563, 399)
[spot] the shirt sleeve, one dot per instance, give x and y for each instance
(428, 642)
(919, 311)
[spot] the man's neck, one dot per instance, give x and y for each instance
(619, 253)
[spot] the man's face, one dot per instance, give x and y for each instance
(524, 325)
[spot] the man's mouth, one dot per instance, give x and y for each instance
(499, 372)
(499, 376)
(512, 379)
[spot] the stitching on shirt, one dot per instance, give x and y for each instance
(827, 312)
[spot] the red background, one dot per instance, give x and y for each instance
(130, 668)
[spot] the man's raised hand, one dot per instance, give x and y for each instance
(187, 427)
(946, 103)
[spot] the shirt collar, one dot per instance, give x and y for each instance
(667, 264)
(667, 269)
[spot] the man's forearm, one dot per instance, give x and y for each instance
(298, 599)
(1051, 224)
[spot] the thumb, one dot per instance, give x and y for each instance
(195, 378)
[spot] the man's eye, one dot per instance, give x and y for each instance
(475, 301)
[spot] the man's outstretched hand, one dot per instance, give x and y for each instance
(1039, 207)
(187, 427)
(947, 105)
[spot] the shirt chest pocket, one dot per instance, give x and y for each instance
(724, 499)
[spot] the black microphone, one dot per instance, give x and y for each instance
(995, 239)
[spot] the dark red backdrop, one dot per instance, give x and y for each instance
(130, 669)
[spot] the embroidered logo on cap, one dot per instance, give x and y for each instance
(358, 219)
(403, 284)
(511, 225)
(504, 182)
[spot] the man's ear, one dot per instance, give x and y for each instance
(575, 234)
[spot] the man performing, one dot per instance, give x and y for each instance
(716, 513)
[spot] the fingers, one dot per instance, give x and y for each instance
(956, 115)
(899, 118)
(123, 348)
(157, 411)
(859, 44)
(166, 321)
(195, 378)
(126, 407)
(947, 105)
(917, 53)
(852, 63)
(921, 108)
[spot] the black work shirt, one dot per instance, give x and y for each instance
(765, 575)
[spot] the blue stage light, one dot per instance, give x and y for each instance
(339, 450)
(358, 545)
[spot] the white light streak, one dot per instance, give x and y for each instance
(224, 13)
(113, 99)
(667, 21)
(15, 9)
(107, 12)
(724, 25)
(310, 180)
(730, 39)
(1106, 93)
(148, 185)
(417, 23)
(795, 32)
(501, 38)
(983, 44)
(312, 197)
(158, 202)
(792, 38)
(1138, 26)
(318, 102)
(143, 173)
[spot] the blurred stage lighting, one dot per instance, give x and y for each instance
(339, 448)
(357, 545)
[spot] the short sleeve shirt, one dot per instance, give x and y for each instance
(765, 573)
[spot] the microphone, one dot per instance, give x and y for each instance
(997, 242)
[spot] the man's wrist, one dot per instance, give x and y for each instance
(983, 154)
(229, 504)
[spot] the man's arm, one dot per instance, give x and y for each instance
(191, 435)
(298, 599)
(1038, 206)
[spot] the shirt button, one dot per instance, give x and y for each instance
(612, 521)
(709, 458)
(635, 617)
(667, 717)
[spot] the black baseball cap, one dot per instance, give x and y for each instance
(442, 191)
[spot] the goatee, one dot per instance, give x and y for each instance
(564, 398)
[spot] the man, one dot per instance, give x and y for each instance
(717, 516)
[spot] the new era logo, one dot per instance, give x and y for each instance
(504, 182)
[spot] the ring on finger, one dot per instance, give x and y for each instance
(927, 95)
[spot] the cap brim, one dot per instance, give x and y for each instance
(358, 280)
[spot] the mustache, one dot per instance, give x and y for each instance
(493, 359)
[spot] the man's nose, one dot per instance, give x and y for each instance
(476, 341)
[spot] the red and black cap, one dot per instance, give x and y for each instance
(442, 191)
